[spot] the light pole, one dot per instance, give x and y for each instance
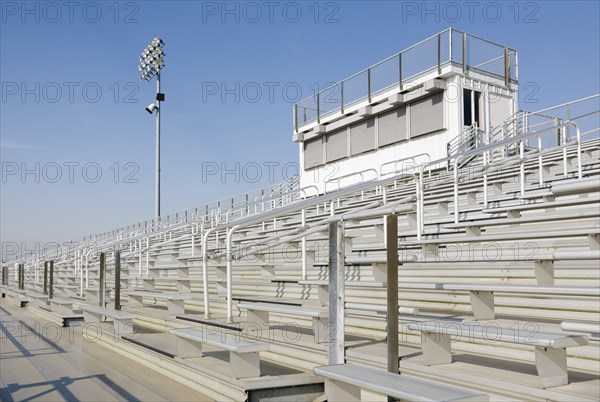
(151, 62)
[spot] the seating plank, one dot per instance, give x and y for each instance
(550, 347)
(398, 386)
(244, 356)
(259, 313)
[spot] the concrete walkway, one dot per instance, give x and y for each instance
(43, 362)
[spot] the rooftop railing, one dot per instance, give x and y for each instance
(449, 47)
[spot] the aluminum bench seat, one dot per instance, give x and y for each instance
(122, 320)
(183, 282)
(482, 295)
(174, 301)
(516, 208)
(259, 313)
(550, 347)
(530, 219)
(592, 231)
(244, 356)
(61, 306)
(343, 383)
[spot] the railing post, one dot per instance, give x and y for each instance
(506, 67)
(336, 327)
(369, 84)
(296, 116)
(342, 97)
(229, 257)
(102, 278)
(464, 53)
(400, 70)
(303, 251)
(51, 280)
(540, 161)
(456, 190)
(485, 179)
(21, 283)
(118, 280)
(45, 291)
(522, 166)
(392, 293)
(205, 272)
(318, 108)
(439, 45)
(450, 45)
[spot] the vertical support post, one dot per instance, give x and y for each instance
(464, 53)
(205, 272)
(19, 276)
(342, 97)
(303, 251)
(318, 107)
(296, 116)
(456, 190)
(102, 285)
(392, 293)
(51, 280)
(157, 194)
(229, 246)
(439, 44)
(4, 272)
(506, 67)
(400, 70)
(485, 179)
(118, 280)
(522, 166)
(337, 299)
(369, 84)
(540, 162)
(22, 276)
(450, 45)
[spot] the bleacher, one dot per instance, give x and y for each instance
(498, 293)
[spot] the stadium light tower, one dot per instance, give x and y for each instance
(151, 62)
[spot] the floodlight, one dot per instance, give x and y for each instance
(151, 108)
(151, 63)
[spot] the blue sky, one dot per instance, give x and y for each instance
(72, 102)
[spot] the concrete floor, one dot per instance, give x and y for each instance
(41, 361)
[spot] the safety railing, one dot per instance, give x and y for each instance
(449, 47)
(404, 166)
(363, 174)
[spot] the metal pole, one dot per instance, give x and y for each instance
(4, 275)
(342, 97)
(118, 280)
(336, 328)
(506, 67)
(51, 281)
(296, 116)
(157, 195)
(102, 286)
(45, 277)
(439, 45)
(464, 53)
(392, 293)
(400, 70)
(369, 84)
(21, 276)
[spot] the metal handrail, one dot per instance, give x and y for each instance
(340, 178)
(395, 163)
